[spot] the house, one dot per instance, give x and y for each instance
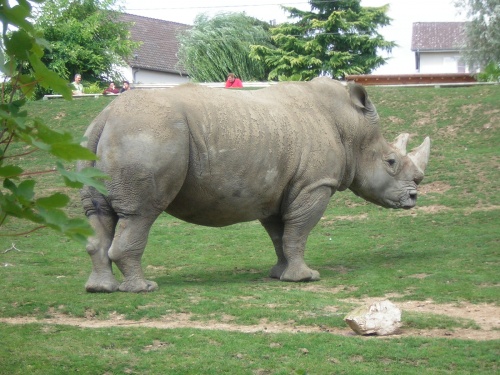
(437, 47)
(155, 61)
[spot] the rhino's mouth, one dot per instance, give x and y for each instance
(405, 201)
(410, 200)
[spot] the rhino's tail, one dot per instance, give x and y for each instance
(92, 136)
(93, 202)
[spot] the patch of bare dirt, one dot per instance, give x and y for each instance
(329, 222)
(432, 209)
(487, 317)
(424, 119)
(419, 276)
(494, 120)
(448, 132)
(395, 120)
(482, 207)
(352, 217)
(60, 115)
(437, 208)
(438, 187)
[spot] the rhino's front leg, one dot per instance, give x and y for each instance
(297, 270)
(126, 251)
(101, 279)
(298, 220)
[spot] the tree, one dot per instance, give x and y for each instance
(22, 133)
(216, 46)
(86, 37)
(482, 32)
(335, 38)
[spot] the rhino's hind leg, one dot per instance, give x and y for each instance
(101, 279)
(275, 227)
(127, 249)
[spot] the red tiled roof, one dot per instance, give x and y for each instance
(159, 47)
(437, 36)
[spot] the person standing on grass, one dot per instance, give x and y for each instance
(233, 82)
(77, 85)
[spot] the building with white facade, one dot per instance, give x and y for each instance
(155, 61)
(437, 47)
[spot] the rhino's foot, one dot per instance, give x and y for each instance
(138, 286)
(98, 283)
(303, 273)
(277, 270)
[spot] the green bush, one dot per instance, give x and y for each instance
(92, 88)
(491, 73)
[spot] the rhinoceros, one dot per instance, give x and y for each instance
(217, 157)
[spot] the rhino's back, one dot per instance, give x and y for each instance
(245, 148)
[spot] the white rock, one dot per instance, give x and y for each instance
(380, 318)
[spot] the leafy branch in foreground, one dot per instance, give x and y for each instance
(21, 133)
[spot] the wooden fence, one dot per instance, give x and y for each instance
(413, 79)
(448, 79)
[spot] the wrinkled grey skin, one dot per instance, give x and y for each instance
(217, 157)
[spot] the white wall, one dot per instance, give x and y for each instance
(126, 71)
(151, 76)
(441, 62)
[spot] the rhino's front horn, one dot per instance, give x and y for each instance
(420, 155)
(400, 143)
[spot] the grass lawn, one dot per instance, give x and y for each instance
(218, 312)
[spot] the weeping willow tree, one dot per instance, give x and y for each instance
(482, 46)
(216, 46)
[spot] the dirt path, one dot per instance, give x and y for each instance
(487, 317)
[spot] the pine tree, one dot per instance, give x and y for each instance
(335, 38)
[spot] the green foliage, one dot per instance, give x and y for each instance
(483, 32)
(22, 133)
(92, 88)
(336, 39)
(84, 36)
(219, 45)
(490, 73)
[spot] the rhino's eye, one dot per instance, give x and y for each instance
(391, 162)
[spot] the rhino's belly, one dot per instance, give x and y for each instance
(214, 206)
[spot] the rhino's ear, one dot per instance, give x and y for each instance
(358, 95)
(360, 99)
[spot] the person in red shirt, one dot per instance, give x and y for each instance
(111, 89)
(233, 82)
